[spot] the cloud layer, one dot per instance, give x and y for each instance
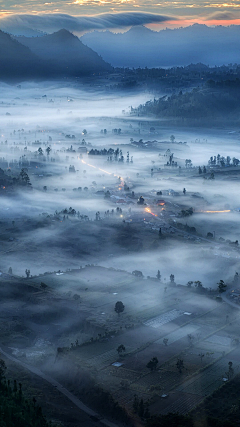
(223, 16)
(54, 22)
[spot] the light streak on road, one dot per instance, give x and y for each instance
(95, 167)
(225, 211)
(149, 211)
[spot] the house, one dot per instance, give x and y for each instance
(161, 202)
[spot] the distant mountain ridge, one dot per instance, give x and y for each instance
(67, 52)
(142, 47)
(16, 58)
(60, 54)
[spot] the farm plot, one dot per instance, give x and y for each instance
(209, 380)
(184, 404)
(103, 359)
(201, 385)
(123, 373)
(158, 321)
(180, 333)
(165, 379)
(124, 397)
(219, 339)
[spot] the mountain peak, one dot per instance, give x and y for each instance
(139, 29)
(62, 34)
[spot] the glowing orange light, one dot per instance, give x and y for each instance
(149, 211)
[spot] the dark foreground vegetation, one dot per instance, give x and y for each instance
(15, 410)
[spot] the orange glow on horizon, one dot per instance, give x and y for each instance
(186, 22)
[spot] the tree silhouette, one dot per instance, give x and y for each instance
(3, 369)
(152, 364)
(180, 365)
(121, 348)
(221, 286)
(119, 307)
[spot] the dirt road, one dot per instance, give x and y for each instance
(97, 418)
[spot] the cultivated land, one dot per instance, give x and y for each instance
(71, 240)
(36, 322)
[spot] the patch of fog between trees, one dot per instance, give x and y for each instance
(185, 261)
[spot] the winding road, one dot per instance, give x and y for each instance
(92, 414)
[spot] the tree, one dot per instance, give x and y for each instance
(212, 176)
(158, 275)
(48, 150)
(236, 278)
(119, 307)
(172, 138)
(140, 201)
(198, 284)
(135, 403)
(188, 163)
(10, 270)
(121, 348)
(152, 364)
(147, 412)
(189, 284)
(84, 132)
(40, 151)
(141, 409)
(230, 372)
(190, 339)
(180, 365)
(210, 235)
(221, 286)
(172, 278)
(3, 369)
(27, 273)
(24, 177)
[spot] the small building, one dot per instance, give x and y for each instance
(161, 202)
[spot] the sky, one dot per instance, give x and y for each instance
(178, 13)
